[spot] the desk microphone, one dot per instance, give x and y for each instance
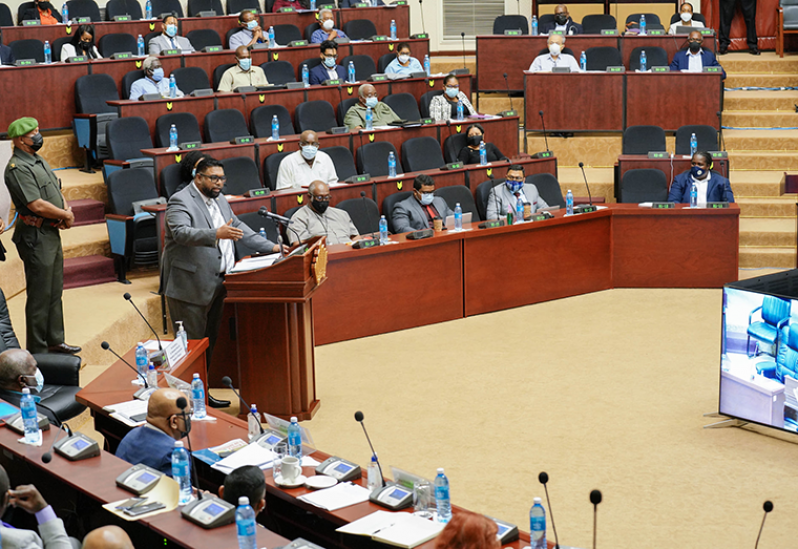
(47, 457)
(546, 154)
(273, 216)
(462, 41)
(768, 507)
(595, 499)
(359, 419)
(157, 358)
(543, 477)
(721, 142)
(140, 392)
(227, 382)
(511, 112)
(366, 210)
(421, 9)
(590, 207)
(182, 403)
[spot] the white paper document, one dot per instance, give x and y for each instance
(252, 454)
(339, 496)
(399, 529)
(124, 410)
(254, 263)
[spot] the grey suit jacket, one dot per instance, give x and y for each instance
(191, 258)
(501, 196)
(408, 215)
(161, 43)
(54, 536)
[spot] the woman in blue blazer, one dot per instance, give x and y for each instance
(718, 188)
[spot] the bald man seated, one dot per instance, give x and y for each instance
(107, 537)
(153, 442)
(18, 370)
(318, 218)
(299, 169)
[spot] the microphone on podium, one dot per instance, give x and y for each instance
(144, 392)
(595, 499)
(767, 507)
(547, 153)
(511, 112)
(543, 477)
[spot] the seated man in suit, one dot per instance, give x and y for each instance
(417, 212)
(383, 115)
(329, 68)
(107, 537)
(247, 481)
(306, 165)
(695, 58)
(545, 62)
(154, 81)
(562, 22)
(153, 442)
(711, 186)
(503, 198)
(317, 218)
(327, 30)
(169, 39)
(243, 73)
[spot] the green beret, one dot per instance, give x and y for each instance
(22, 126)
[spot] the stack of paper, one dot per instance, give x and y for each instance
(339, 496)
(252, 454)
(398, 529)
(125, 410)
(254, 263)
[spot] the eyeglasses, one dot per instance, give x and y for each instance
(321, 198)
(695, 41)
(455, 87)
(215, 178)
(314, 145)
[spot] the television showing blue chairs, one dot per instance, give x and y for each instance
(772, 312)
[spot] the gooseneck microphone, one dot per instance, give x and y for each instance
(182, 403)
(768, 507)
(543, 122)
(721, 142)
(595, 499)
(421, 9)
(543, 477)
(107, 347)
(47, 457)
(359, 419)
(227, 382)
(590, 207)
(273, 216)
(510, 97)
(160, 356)
(462, 41)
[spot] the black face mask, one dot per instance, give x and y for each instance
(184, 434)
(85, 46)
(38, 141)
(561, 19)
(44, 6)
(695, 46)
(474, 140)
(319, 205)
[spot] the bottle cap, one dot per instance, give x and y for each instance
(254, 408)
(293, 419)
(440, 470)
(152, 366)
(373, 459)
(178, 444)
(243, 500)
(25, 391)
(196, 376)
(537, 501)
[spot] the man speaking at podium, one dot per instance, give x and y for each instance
(199, 248)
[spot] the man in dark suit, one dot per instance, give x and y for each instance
(695, 58)
(711, 186)
(416, 212)
(727, 9)
(562, 22)
(329, 68)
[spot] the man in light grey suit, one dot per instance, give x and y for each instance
(199, 248)
(169, 39)
(417, 212)
(506, 196)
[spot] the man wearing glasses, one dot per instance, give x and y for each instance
(317, 218)
(308, 164)
(329, 68)
(199, 248)
(505, 197)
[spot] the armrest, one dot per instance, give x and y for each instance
(59, 369)
(119, 164)
(118, 231)
(81, 115)
(751, 316)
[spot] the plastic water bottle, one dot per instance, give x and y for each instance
(172, 92)
(519, 210)
(148, 10)
(350, 73)
(391, 164)
(643, 60)
(173, 129)
(29, 419)
(369, 119)
(305, 75)
(140, 46)
(262, 233)
(459, 110)
(152, 377)
(393, 29)
(569, 203)
(642, 24)
(272, 43)
(583, 61)
(181, 472)
(275, 128)
(374, 478)
(694, 195)
(245, 525)
(198, 397)
(182, 335)
(253, 422)
(65, 13)
(693, 144)
(383, 230)
(48, 53)
(483, 154)
(537, 525)
(458, 218)
(443, 501)
(294, 439)
(426, 65)
(141, 360)
(534, 25)
(312, 5)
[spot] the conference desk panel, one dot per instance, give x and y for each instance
(671, 44)
(282, 201)
(118, 68)
(151, 111)
(657, 99)
(248, 102)
(497, 170)
(600, 106)
(54, 32)
(163, 157)
(381, 17)
(502, 132)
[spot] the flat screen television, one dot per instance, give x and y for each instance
(759, 351)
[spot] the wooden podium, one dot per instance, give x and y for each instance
(274, 331)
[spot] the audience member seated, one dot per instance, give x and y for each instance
(562, 22)
(327, 30)
(467, 530)
(329, 68)
(82, 43)
(317, 218)
(107, 537)
(356, 115)
(503, 198)
(169, 39)
(154, 81)
(444, 107)
(418, 211)
(711, 186)
(6, 55)
(308, 164)
(686, 19)
(28, 498)
(695, 58)
(404, 64)
(295, 4)
(469, 154)
(18, 370)
(42, 11)
(250, 33)
(555, 58)
(153, 442)
(243, 74)
(246, 481)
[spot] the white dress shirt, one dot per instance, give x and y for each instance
(680, 23)
(696, 65)
(702, 186)
(295, 172)
(545, 62)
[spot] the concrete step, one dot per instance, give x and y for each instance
(768, 206)
(756, 183)
(769, 141)
(85, 241)
(760, 100)
(776, 232)
(768, 62)
(748, 160)
(761, 80)
(756, 257)
(759, 119)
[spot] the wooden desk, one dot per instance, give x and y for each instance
(150, 111)
(381, 17)
(54, 32)
(656, 99)
(671, 44)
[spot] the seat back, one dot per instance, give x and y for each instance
(775, 309)
(122, 7)
(189, 79)
(202, 38)
(790, 14)
(696, 17)
(268, 6)
(364, 212)
(127, 81)
(343, 161)
(655, 57)
(403, 104)
(185, 123)
(261, 121)
(21, 9)
(359, 29)
(84, 8)
(787, 355)
(57, 44)
(545, 19)
(286, 33)
(548, 188)
(28, 48)
(311, 62)
(364, 66)
(127, 186)
(224, 125)
(453, 144)
(384, 61)
(511, 22)
(388, 204)
(644, 185)
(126, 137)
(459, 194)
(256, 222)
(92, 91)
(598, 59)
(171, 179)
(271, 167)
(707, 138)
(218, 72)
(279, 72)
(642, 139)
(566, 50)
(425, 100)
(237, 6)
(318, 116)
(242, 175)
(343, 108)
(372, 158)
(6, 19)
(650, 18)
(195, 7)
(421, 153)
(310, 29)
(119, 42)
(594, 24)
(482, 194)
(160, 7)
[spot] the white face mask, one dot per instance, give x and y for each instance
(404, 59)
(327, 25)
(554, 49)
(686, 16)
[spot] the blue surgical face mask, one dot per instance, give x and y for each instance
(157, 74)
(697, 172)
(427, 198)
(39, 381)
(309, 152)
(171, 30)
(329, 62)
(245, 63)
(252, 25)
(514, 186)
(452, 92)
(371, 102)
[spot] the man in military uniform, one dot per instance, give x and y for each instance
(43, 212)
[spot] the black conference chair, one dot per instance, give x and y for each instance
(230, 33)
(271, 167)
(403, 104)
(28, 48)
(707, 138)
(126, 137)
(343, 161)
(598, 59)
(482, 194)
(224, 125)
(388, 204)
(364, 66)
(566, 49)
(57, 44)
(696, 17)
(310, 62)
(364, 212)
(237, 6)
(21, 9)
(279, 72)
(218, 72)
(421, 153)
(425, 100)
(655, 57)
(149, 36)
(594, 24)
(343, 108)
(360, 29)
(310, 29)
(171, 180)
(651, 18)
(127, 81)
(122, 7)
(452, 146)
(84, 8)
(256, 222)
(185, 123)
(318, 116)
(195, 7)
(162, 7)
(642, 139)
(92, 93)
(644, 185)
(459, 194)
(202, 38)
(511, 22)
(548, 188)
(260, 120)
(384, 61)
(242, 175)
(545, 19)
(6, 19)
(286, 33)
(120, 42)
(134, 240)
(372, 158)
(189, 79)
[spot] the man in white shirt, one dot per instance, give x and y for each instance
(317, 218)
(555, 58)
(308, 164)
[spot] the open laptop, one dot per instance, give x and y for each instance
(450, 220)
